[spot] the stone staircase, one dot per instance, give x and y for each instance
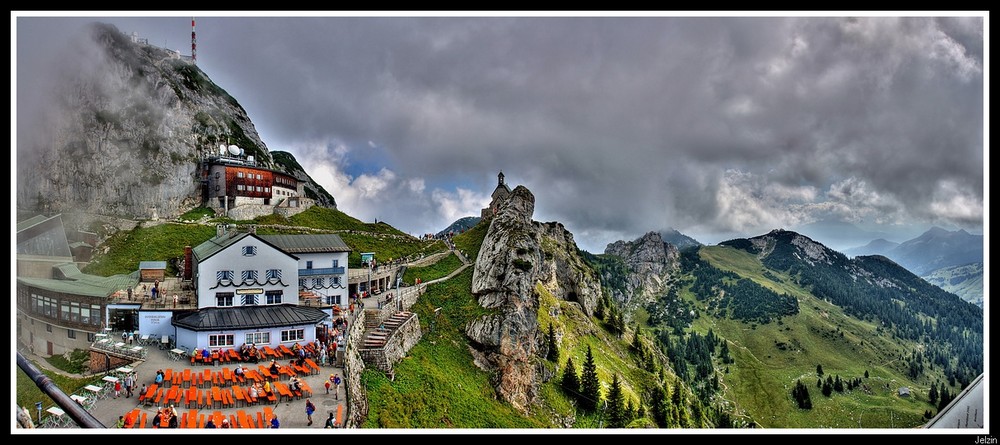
(376, 333)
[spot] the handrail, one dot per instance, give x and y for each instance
(79, 414)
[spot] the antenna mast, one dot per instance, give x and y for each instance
(194, 44)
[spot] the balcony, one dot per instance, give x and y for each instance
(324, 271)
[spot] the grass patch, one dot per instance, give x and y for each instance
(471, 240)
(163, 242)
(196, 214)
(439, 269)
(387, 248)
(76, 363)
(323, 218)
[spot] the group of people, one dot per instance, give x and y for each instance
(128, 384)
(170, 414)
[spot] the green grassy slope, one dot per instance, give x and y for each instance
(166, 241)
(771, 358)
(440, 268)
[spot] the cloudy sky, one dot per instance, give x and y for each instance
(716, 126)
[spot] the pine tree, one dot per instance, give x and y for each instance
(932, 396)
(819, 370)
(590, 386)
(866, 373)
(679, 405)
(616, 405)
(570, 380)
(660, 406)
(553, 354)
(801, 395)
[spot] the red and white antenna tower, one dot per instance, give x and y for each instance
(194, 43)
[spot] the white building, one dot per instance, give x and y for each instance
(322, 267)
(248, 289)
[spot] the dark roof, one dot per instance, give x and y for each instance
(307, 243)
(217, 244)
(249, 317)
(152, 264)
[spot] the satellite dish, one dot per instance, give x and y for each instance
(234, 150)
(222, 149)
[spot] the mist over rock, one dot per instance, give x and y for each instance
(123, 129)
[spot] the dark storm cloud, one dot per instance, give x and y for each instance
(621, 125)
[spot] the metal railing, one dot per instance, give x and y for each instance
(74, 410)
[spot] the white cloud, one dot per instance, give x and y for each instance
(451, 206)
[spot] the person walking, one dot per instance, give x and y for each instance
(274, 422)
(118, 388)
(330, 421)
(310, 409)
(336, 387)
(128, 386)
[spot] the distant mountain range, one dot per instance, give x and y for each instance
(952, 260)
(965, 281)
(840, 235)
(460, 225)
(678, 239)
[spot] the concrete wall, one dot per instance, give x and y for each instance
(357, 399)
(396, 347)
(99, 362)
(246, 211)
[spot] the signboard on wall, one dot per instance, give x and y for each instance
(367, 257)
(155, 323)
(252, 291)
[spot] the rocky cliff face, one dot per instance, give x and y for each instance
(564, 273)
(124, 130)
(506, 341)
(517, 253)
(650, 262)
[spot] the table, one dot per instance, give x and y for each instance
(78, 399)
(144, 340)
(100, 335)
(137, 349)
(110, 379)
(177, 354)
(103, 340)
(59, 415)
(124, 369)
(164, 341)
(119, 344)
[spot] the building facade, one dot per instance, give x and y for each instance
(58, 307)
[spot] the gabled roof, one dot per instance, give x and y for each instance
(308, 243)
(217, 244)
(78, 283)
(249, 317)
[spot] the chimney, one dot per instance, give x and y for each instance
(188, 258)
